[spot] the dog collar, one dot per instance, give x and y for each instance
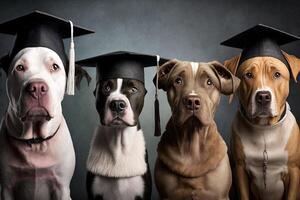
(32, 141)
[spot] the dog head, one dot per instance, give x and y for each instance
(193, 89)
(35, 85)
(264, 86)
(119, 102)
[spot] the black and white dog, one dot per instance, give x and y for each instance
(117, 162)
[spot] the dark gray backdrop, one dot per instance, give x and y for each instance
(188, 30)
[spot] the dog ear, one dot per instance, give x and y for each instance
(294, 63)
(227, 82)
(232, 64)
(163, 74)
(80, 73)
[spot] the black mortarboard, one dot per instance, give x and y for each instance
(39, 29)
(121, 64)
(261, 40)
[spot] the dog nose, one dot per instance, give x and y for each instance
(192, 103)
(37, 89)
(117, 106)
(263, 98)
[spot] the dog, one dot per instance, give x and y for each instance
(265, 136)
(117, 162)
(37, 157)
(191, 155)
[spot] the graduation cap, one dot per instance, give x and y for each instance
(39, 29)
(261, 40)
(124, 64)
(121, 64)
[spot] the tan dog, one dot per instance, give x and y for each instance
(265, 135)
(192, 156)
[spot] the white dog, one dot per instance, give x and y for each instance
(37, 157)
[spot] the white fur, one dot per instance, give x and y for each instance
(273, 103)
(193, 93)
(194, 68)
(276, 137)
(121, 188)
(117, 152)
(58, 156)
(117, 95)
(37, 62)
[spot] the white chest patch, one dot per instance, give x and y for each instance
(276, 137)
(194, 68)
(120, 188)
(117, 152)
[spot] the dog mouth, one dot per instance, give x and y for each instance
(36, 114)
(191, 117)
(262, 113)
(193, 123)
(118, 121)
(190, 114)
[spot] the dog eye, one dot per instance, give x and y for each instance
(107, 88)
(249, 75)
(20, 68)
(133, 90)
(54, 67)
(209, 82)
(178, 81)
(277, 75)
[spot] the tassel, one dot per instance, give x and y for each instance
(71, 74)
(156, 102)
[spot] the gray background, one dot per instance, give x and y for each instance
(188, 30)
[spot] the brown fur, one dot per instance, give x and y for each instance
(192, 156)
(264, 68)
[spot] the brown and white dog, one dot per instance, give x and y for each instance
(192, 156)
(37, 158)
(265, 136)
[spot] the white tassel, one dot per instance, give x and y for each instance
(157, 71)
(71, 74)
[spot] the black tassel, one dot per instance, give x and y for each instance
(157, 131)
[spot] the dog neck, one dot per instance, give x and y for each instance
(191, 152)
(18, 131)
(43, 154)
(117, 152)
(190, 137)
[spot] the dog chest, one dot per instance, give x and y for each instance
(117, 154)
(118, 188)
(255, 139)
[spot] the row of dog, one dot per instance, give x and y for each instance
(37, 158)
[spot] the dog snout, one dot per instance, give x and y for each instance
(192, 103)
(117, 106)
(263, 98)
(37, 89)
